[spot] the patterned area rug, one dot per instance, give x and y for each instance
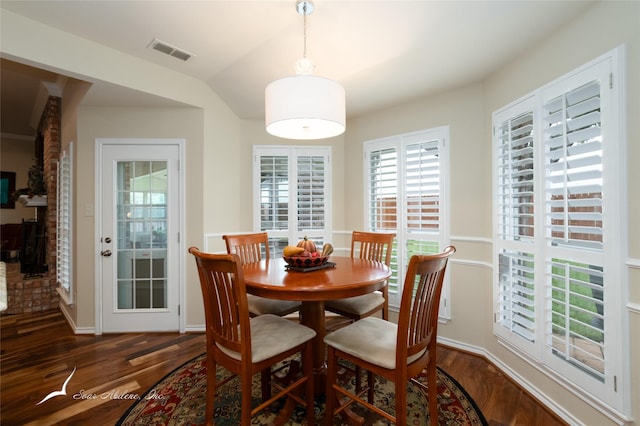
(179, 399)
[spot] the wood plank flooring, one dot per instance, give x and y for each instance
(39, 352)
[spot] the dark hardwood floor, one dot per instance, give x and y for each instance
(39, 352)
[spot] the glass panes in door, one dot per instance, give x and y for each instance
(141, 245)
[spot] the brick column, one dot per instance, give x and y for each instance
(49, 128)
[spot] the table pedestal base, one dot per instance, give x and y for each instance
(312, 315)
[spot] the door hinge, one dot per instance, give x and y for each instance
(615, 383)
(178, 310)
(610, 80)
(178, 237)
(494, 317)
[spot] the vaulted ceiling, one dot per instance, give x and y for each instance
(383, 52)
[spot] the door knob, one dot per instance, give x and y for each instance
(106, 253)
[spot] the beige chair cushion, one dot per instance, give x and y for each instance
(262, 305)
(271, 335)
(371, 339)
(358, 305)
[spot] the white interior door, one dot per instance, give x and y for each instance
(140, 261)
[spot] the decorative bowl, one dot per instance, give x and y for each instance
(305, 262)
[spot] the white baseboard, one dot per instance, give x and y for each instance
(194, 329)
(72, 324)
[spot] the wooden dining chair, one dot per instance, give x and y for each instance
(244, 345)
(249, 247)
(370, 246)
(397, 352)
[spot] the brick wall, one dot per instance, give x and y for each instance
(50, 123)
(31, 294)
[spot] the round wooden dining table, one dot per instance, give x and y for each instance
(349, 277)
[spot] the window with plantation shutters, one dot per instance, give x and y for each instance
(292, 194)
(558, 278)
(406, 187)
(64, 224)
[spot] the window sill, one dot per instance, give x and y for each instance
(65, 296)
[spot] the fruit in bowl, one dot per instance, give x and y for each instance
(305, 254)
(306, 259)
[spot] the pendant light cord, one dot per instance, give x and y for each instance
(304, 25)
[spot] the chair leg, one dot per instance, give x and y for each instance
(432, 391)
(265, 383)
(385, 306)
(358, 373)
(401, 403)
(307, 366)
(330, 393)
(371, 382)
(245, 388)
(211, 390)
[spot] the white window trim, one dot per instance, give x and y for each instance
(612, 397)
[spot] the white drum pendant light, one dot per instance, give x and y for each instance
(305, 106)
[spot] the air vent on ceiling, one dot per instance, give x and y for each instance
(170, 50)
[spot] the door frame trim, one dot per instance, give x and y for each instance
(100, 143)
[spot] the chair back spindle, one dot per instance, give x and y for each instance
(372, 246)
(248, 246)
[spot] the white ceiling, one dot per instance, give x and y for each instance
(383, 52)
